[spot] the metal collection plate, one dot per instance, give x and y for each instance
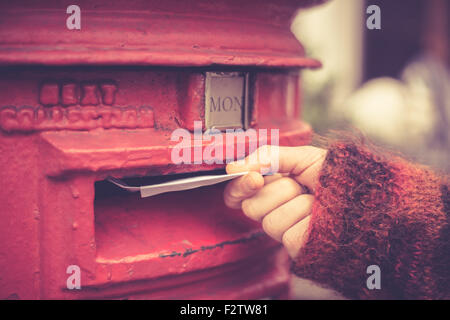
(226, 100)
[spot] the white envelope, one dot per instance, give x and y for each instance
(176, 185)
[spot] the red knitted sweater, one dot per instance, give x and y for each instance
(375, 210)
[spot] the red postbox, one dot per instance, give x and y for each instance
(78, 106)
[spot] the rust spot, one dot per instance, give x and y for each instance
(190, 251)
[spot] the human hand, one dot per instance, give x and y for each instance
(280, 201)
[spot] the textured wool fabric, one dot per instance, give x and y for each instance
(372, 209)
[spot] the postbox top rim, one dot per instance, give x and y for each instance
(153, 33)
(145, 32)
(144, 58)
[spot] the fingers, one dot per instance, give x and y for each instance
(242, 188)
(277, 199)
(270, 198)
(260, 160)
(277, 222)
(271, 178)
(303, 162)
(295, 237)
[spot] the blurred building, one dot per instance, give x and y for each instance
(392, 84)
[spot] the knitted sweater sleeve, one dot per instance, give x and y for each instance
(373, 210)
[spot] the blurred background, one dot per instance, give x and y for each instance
(393, 84)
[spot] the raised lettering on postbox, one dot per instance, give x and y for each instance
(75, 106)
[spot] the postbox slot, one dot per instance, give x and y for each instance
(128, 227)
(105, 188)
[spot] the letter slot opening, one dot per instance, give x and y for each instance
(175, 224)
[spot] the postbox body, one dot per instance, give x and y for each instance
(78, 106)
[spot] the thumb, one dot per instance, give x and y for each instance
(302, 163)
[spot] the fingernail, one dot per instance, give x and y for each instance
(251, 181)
